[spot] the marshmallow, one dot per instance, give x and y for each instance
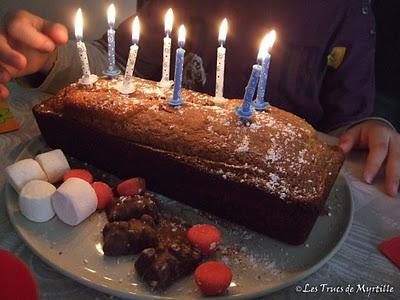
(74, 201)
(35, 200)
(54, 164)
(23, 171)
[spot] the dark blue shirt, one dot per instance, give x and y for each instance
(300, 79)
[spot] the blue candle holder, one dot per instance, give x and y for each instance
(260, 105)
(112, 72)
(177, 99)
(245, 111)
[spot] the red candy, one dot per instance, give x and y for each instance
(391, 249)
(213, 278)
(79, 173)
(205, 237)
(104, 193)
(131, 187)
(16, 280)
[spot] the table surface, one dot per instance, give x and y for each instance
(358, 262)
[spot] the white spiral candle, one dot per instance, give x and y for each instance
(168, 22)
(220, 69)
(87, 78)
(166, 59)
(219, 80)
(130, 66)
(84, 59)
(127, 86)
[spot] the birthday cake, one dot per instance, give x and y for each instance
(272, 174)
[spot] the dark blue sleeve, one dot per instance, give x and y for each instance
(348, 91)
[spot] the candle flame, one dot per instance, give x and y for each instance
(168, 21)
(111, 15)
(79, 25)
(270, 39)
(266, 45)
(181, 36)
(223, 30)
(135, 30)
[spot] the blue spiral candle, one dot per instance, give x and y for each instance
(260, 104)
(244, 111)
(112, 70)
(180, 57)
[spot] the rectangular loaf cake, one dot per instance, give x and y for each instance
(272, 175)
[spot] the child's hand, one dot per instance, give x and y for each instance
(26, 46)
(383, 143)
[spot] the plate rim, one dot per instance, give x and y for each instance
(7, 190)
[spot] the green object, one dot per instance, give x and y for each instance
(5, 114)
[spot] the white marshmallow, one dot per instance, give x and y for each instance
(74, 201)
(35, 200)
(54, 164)
(23, 171)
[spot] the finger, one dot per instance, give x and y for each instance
(393, 167)
(3, 91)
(9, 69)
(350, 139)
(27, 33)
(9, 56)
(57, 32)
(378, 150)
(4, 76)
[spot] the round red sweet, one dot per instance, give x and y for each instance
(104, 193)
(205, 237)
(213, 278)
(79, 173)
(131, 187)
(16, 280)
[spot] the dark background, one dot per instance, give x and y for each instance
(387, 15)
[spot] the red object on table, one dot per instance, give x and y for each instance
(79, 173)
(16, 280)
(104, 193)
(391, 249)
(131, 187)
(205, 237)
(213, 278)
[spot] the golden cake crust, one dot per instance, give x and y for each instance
(278, 153)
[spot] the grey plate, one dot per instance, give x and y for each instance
(260, 265)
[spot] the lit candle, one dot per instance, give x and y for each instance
(168, 22)
(260, 104)
(219, 80)
(244, 111)
(180, 56)
(112, 70)
(87, 78)
(127, 86)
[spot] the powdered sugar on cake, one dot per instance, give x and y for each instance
(271, 152)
